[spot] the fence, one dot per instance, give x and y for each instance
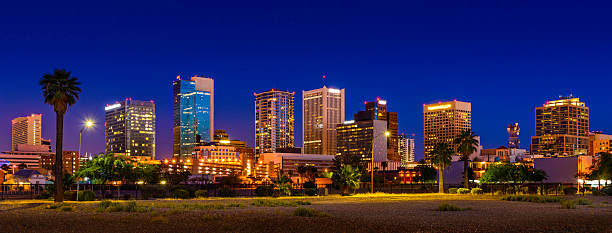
(135, 191)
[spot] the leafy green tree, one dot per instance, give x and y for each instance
(602, 169)
(466, 145)
(61, 91)
(348, 177)
(514, 174)
(308, 173)
(109, 167)
(175, 177)
(441, 158)
(148, 173)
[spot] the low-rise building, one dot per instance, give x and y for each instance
(287, 163)
(564, 169)
(599, 142)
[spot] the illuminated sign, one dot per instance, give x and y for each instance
(383, 102)
(349, 122)
(438, 107)
(111, 107)
(336, 91)
(225, 141)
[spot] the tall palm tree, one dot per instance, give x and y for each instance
(466, 145)
(60, 90)
(441, 158)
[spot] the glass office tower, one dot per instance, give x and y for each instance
(192, 114)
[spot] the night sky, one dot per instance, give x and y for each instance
(505, 58)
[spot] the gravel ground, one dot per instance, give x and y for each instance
(406, 213)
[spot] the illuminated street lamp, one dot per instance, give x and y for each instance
(387, 133)
(88, 124)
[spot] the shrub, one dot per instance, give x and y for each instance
(582, 201)
(274, 203)
(297, 192)
(130, 207)
(235, 205)
(452, 190)
(310, 192)
(264, 191)
(448, 207)
(70, 195)
(153, 191)
(570, 191)
(159, 219)
(531, 198)
(309, 185)
(463, 191)
(306, 212)
(209, 217)
(180, 194)
(201, 194)
(86, 195)
(44, 195)
(477, 191)
(568, 204)
(54, 206)
(226, 192)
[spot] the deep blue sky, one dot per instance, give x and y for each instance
(504, 57)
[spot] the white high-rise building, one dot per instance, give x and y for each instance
(322, 111)
(406, 148)
(274, 121)
(26, 131)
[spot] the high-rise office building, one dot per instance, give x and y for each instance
(406, 148)
(357, 139)
(322, 111)
(274, 120)
(562, 127)
(129, 128)
(193, 108)
(513, 136)
(26, 131)
(377, 110)
(443, 122)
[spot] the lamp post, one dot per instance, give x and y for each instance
(372, 161)
(88, 124)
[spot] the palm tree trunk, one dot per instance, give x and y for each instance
(440, 181)
(466, 180)
(59, 138)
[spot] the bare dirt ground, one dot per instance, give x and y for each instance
(364, 213)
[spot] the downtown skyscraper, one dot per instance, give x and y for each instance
(561, 127)
(193, 108)
(129, 128)
(274, 121)
(443, 122)
(26, 131)
(322, 111)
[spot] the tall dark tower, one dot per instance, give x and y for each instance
(513, 136)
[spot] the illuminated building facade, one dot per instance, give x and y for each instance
(599, 143)
(129, 128)
(193, 108)
(443, 122)
(377, 110)
(215, 160)
(322, 111)
(274, 120)
(70, 161)
(287, 164)
(356, 139)
(513, 135)
(562, 128)
(26, 131)
(406, 148)
(222, 138)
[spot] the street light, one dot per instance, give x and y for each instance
(88, 124)
(387, 133)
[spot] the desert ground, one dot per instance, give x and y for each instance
(360, 213)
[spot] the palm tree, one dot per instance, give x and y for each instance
(466, 145)
(60, 90)
(441, 158)
(349, 177)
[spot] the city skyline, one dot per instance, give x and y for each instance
(528, 53)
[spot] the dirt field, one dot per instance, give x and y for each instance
(364, 213)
